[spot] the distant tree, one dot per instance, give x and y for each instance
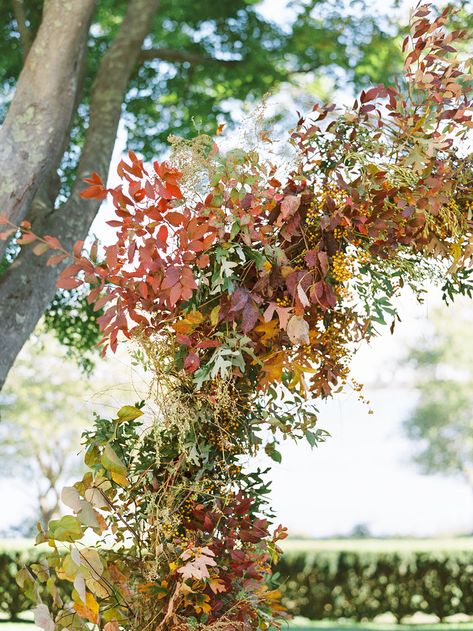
(43, 412)
(441, 423)
(360, 531)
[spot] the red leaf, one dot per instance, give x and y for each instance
(203, 261)
(187, 278)
(40, 249)
(163, 233)
(208, 344)
(53, 242)
(27, 237)
(67, 279)
(175, 294)
(250, 316)
(191, 362)
(172, 276)
(101, 302)
(68, 282)
(57, 258)
(94, 192)
(175, 218)
(77, 249)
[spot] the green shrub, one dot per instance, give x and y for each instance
(362, 585)
(14, 556)
(12, 600)
(328, 584)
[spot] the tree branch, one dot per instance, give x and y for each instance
(181, 56)
(23, 29)
(29, 285)
(38, 118)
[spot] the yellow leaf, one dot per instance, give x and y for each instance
(89, 611)
(91, 563)
(269, 330)
(214, 315)
(298, 373)
(112, 462)
(128, 413)
(272, 368)
(97, 588)
(120, 479)
(68, 569)
(203, 604)
(189, 323)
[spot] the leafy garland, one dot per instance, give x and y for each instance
(247, 294)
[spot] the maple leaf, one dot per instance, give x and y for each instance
(273, 367)
(269, 330)
(217, 585)
(283, 314)
(298, 373)
(198, 562)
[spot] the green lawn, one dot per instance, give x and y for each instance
(451, 544)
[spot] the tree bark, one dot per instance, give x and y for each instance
(29, 285)
(23, 30)
(32, 134)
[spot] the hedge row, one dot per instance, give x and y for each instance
(12, 600)
(331, 585)
(361, 586)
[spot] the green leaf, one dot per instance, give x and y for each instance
(273, 453)
(68, 528)
(112, 462)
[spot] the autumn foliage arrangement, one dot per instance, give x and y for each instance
(246, 293)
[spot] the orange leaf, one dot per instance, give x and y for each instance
(57, 258)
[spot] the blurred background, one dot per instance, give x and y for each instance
(395, 477)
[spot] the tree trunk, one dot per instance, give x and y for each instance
(29, 285)
(33, 132)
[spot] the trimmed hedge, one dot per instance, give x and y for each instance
(363, 585)
(12, 600)
(321, 584)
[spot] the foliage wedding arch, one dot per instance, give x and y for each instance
(246, 292)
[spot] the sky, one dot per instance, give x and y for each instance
(363, 474)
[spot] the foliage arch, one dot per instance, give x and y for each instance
(247, 294)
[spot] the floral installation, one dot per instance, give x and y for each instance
(246, 294)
